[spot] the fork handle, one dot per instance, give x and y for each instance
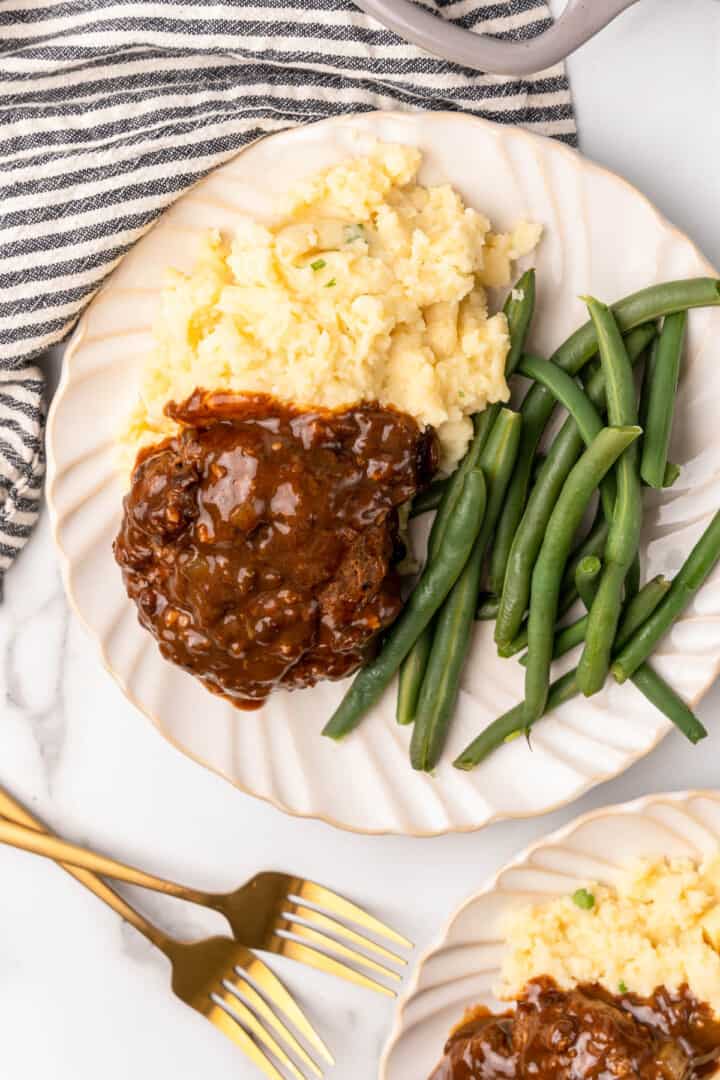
(31, 828)
(52, 847)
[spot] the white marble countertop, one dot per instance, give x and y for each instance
(82, 995)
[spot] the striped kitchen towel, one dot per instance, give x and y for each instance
(110, 110)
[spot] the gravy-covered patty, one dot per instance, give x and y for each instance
(586, 1034)
(259, 543)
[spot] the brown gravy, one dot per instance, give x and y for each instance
(259, 543)
(586, 1034)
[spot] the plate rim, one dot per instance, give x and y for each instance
(579, 160)
(631, 806)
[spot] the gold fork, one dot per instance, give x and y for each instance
(220, 978)
(273, 912)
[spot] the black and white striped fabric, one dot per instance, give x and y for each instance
(109, 110)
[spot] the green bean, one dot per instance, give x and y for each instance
(564, 452)
(565, 390)
(411, 676)
(563, 689)
(433, 586)
(647, 680)
(639, 307)
(518, 309)
(453, 626)
(561, 457)
(649, 683)
(663, 380)
(566, 516)
(694, 571)
(429, 499)
(519, 314)
(640, 607)
(664, 698)
(568, 596)
(482, 425)
(636, 343)
(672, 472)
(632, 579)
(586, 582)
(624, 531)
(644, 402)
(565, 640)
(511, 723)
(535, 411)
(487, 608)
(586, 578)
(593, 544)
(536, 467)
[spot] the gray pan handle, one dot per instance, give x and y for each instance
(580, 21)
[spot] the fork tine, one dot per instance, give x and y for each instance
(273, 989)
(258, 1003)
(296, 950)
(222, 1020)
(250, 1022)
(325, 942)
(333, 927)
(339, 906)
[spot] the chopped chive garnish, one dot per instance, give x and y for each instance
(330, 283)
(583, 899)
(622, 988)
(318, 264)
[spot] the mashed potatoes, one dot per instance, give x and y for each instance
(659, 927)
(370, 287)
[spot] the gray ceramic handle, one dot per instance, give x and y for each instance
(580, 21)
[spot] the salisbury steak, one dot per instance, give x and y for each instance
(586, 1034)
(259, 543)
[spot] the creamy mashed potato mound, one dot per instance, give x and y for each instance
(660, 926)
(370, 287)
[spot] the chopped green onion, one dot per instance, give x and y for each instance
(583, 899)
(622, 988)
(318, 265)
(330, 283)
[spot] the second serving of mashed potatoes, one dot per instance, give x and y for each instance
(659, 926)
(369, 287)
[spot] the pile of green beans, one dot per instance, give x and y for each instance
(504, 541)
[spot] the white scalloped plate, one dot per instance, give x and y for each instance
(602, 237)
(461, 970)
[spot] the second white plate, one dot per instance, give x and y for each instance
(462, 969)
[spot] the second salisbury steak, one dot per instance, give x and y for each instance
(259, 542)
